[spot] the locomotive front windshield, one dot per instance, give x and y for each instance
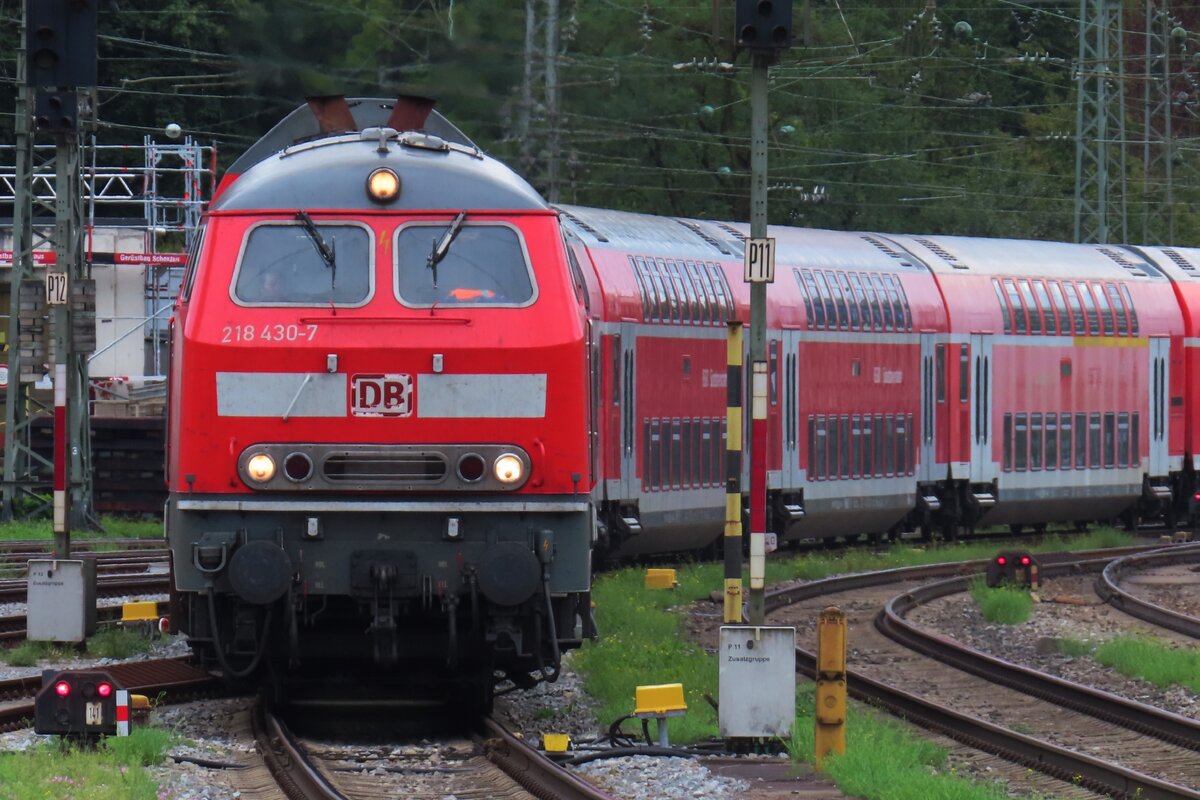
(483, 265)
(292, 264)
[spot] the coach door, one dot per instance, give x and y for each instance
(929, 380)
(983, 470)
(1159, 407)
(630, 485)
(790, 383)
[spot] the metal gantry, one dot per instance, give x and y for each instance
(30, 356)
(1100, 202)
(1158, 190)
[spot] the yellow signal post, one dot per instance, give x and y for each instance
(733, 476)
(831, 684)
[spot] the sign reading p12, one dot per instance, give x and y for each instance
(56, 288)
(760, 261)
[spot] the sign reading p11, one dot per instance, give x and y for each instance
(759, 265)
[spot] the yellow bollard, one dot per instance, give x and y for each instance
(831, 685)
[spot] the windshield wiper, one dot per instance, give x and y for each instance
(442, 246)
(328, 254)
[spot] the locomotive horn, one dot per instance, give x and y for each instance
(410, 112)
(332, 113)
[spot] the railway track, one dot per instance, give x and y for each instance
(1108, 587)
(492, 763)
(172, 679)
(15, 591)
(1103, 742)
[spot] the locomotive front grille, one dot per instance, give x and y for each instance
(385, 468)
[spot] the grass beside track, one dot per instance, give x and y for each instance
(643, 641)
(113, 770)
(107, 643)
(113, 528)
(1142, 657)
(1004, 605)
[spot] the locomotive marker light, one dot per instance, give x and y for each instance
(508, 468)
(260, 467)
(383, 185)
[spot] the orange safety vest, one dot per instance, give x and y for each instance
(472, 294)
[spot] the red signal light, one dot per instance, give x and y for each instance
(1025, 561)
(1001, 560)
(1196, 496)
(104, 689)
(62, 688)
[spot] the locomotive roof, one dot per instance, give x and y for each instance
(331, 172)
(302, 125)
(966, 255)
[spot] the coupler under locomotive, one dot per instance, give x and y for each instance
(502, 598)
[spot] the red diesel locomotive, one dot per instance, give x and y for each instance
(410, 400)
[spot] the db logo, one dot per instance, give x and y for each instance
(388, 395)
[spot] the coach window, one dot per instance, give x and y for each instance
(904, 442)
(1035, 441)
(1080, 325)
(1114, 298)
(839, 301)
(1064, 441)
(818, 318)
(856, 446)
(1043, 298)
(868, 462)
(724, 295)
(1081, 437)
(1020, 321)
(1094, 440)
(1089, 305)
(1021, 442)
(1060, 306)
(905, 309)
(940, 377)
(288, 264)
(695, 295)
(834, 438)
(703, 306)
(679, 292)
(1051, 441)
(1106, 317)
(877, 431)
(860, 296)
(1133, 322)
(672, 312)
(677, 442)
(1035, 317)
(639, 267)
(1110, 440)
(844, 446)
(1004, 309)
(1123, 439)
(851, 300)
(818, 465)
(889, 445)
(808, 306)
(884, 302)
(827, 301)
(1135, 441)
(710, 293)
(893, 294)
(964, 373)
(1008, 442)
(773, 372)
(873, 302)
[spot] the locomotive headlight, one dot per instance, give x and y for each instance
(260, 468)
(383, 185)
(508, 468)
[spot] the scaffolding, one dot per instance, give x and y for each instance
(158, 188)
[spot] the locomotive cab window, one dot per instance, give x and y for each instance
(481, 264)
(291, 263)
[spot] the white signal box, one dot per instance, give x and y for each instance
(62, 600)
(757, 681)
